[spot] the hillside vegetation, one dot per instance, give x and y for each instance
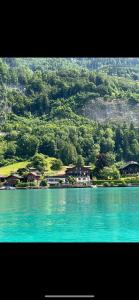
(12, 168)
(42, 103)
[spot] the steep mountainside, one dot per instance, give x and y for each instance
(114, 110)
(69, 108)
(59, 86)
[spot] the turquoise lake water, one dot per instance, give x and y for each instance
(70, 215)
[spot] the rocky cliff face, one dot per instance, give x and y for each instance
(115, 110)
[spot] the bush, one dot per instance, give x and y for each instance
(22, 184)
(61, 181)
(71, 180)
(56, 164)
(110, 172)
(107, 184)
(43, 183)
(17, 182)
(32, 183)
(22, 171)
(38, 162)
(122, 183)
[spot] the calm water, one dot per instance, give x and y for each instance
(70, 215)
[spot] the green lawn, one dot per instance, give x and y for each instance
(48, 168)
(14, 167)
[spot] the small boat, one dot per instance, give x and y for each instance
(2, 188)
(93, 186)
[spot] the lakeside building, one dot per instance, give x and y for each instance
(55, 180)
(131, 167)
(33, 177)
(12, 179)
(81, 174)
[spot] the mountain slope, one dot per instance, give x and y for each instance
(69, 109)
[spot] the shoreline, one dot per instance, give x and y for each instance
(65, 187)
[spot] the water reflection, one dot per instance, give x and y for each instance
(103, 214)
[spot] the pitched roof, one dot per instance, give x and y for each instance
(128, 164)
(14, 175)
(56, 176)
(2, 176)
(33, 173)
(84, 168)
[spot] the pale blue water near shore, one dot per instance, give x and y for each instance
(70, 215)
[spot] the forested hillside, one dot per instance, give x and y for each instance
(45, 106)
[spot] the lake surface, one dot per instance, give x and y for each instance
(70, 215)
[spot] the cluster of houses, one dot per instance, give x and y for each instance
(32, 176)
(81, 175)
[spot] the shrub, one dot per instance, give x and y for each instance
(17, 182)
(32, 183)
(61, 181)
(110, 172)
(106, 184)
(38, 161)
(22, 184)
(122, 183)
(43, 183)
(56, 164)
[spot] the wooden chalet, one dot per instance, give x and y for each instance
(33, 177)
(81, 174)
(78, 171)
(131, 167)
(55, 180)
(12, 179)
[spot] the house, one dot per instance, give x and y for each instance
(12, 179)
(131, 167)
(78, 171)
(32, 177)
(81, 174)
(55, 180)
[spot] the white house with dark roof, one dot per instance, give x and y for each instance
(55, 180)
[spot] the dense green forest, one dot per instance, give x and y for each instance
(41, 100)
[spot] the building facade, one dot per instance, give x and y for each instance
(81, 174)
(130, 168)
(32, 177)
(55, 180)
(12, 180)
(78, 171)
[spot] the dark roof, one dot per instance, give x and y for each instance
(78, 168)
(14, 175)
(128, 164)
(33, 173)
(56, 176)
